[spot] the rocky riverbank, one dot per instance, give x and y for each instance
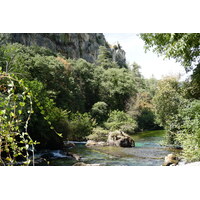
(174, 160)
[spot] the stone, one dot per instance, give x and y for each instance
(73, 155)
(121, 139)
(118, 55)
(84, 164)
(91, 143)
(69, 144)
(171, 160)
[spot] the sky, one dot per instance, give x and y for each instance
(151, 64)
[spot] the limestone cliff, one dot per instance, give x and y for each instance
(118, 55)
(71, 45)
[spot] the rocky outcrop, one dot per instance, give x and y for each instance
(171, 160)
(118, 55)
(119, 138)
(116, 138)
(71, 45)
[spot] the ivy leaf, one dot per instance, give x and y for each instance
(12, 114)
(22, 104)
(20, 112)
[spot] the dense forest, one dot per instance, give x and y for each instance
(48, 97)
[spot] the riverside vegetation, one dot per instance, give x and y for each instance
(47, 98)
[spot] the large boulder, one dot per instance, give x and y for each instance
(121, 139)
(171, 160)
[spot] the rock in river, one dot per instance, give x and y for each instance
(68, 144)
(84, 164)
(171, 159)
(91, 143)
(115, 138)
(119, 138)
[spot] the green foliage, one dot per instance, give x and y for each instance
(193, 86)
(184, 47)
(83, 75)
(48, 121)
(15, 113)
(167, 100)
(104, 57)
(117, 86)
(81, 125)
(137, 76)
(98, 134)
(151, 86)
(146, 120)
(186, 130)
(141, 109)
(99, 112)
(119, 120)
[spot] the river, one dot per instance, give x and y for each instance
(148, 151)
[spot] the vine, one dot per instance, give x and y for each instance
(15, 112)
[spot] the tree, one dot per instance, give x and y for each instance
(167, 100)
(119, 120)
(104, 58)
(183, 47)
(104, 55)
(99, 111)
(117, 86)
(137, 76)
(83, 77)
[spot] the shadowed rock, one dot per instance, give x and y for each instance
(171, 160)
(121, 139)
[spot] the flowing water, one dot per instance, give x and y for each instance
(147, 152)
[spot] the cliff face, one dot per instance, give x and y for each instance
(118, 55)
(71, 45)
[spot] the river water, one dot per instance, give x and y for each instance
(147, 152)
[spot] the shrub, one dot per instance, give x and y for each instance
(81, 125)
(146, 120)
(98, 134)
(119, 120)
(188, 131)
(99, 111)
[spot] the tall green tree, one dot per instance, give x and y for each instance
(167, 100)
(104, 58)
(117, 86)
(183, 47)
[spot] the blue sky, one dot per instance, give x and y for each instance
(150, 63)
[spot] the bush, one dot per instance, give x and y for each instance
(119, 120)
(100, 111)
(188, 131)
(146, 120)
(98, 134)
(81, 125)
